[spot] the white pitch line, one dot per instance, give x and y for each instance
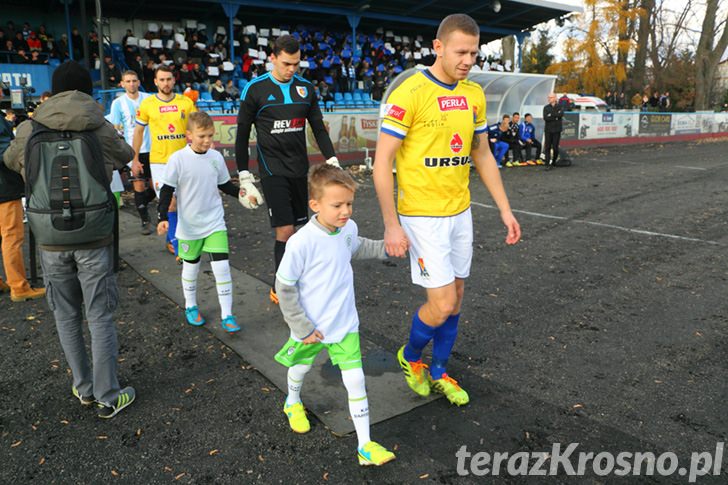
(690, 168)
(609, 226)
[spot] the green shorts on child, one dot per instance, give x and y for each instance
(217, 242)
(345, 354)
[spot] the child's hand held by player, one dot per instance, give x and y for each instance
(162, 227)
(315, 337)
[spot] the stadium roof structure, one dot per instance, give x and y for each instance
(497, 18)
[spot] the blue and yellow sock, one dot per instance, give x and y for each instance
(172, 232)
(420, 336)
(442, 344)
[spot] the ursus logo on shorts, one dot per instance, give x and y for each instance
(423, 270)
(185, 247)
(291, 350)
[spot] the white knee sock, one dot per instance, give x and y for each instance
(358, 403)
(295, 382)
(189, 282)
(224, 282)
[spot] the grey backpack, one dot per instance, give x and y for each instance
(69, 200)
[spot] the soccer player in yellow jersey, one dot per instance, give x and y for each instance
(434, 124)
(166, 115)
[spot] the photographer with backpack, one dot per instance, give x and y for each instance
(66, 155)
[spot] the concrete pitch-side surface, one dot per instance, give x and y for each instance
(264, 332)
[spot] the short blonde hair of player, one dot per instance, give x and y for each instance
(199, 119)
(322, 175)
(457, 22)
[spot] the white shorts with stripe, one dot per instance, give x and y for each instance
(441, 248)
(157, 170)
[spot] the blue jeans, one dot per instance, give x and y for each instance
(500, 148)
(80, 280)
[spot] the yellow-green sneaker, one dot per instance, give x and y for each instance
(297, 419)
(415, 373)
(375, 454)
(451, 389)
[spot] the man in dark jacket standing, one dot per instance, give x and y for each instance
(12, 231)
(80, 277)
(552, 115)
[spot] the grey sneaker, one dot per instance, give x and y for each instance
(84, 400)
(146, 230)
(126, 397)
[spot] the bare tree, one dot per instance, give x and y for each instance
(639, 71)
(708, 55)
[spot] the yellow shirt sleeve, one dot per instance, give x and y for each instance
(142, 115)
(398, 113)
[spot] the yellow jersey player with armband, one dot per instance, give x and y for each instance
(166, 114)
(434, 124)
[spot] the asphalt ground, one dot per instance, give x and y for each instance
(606, 326)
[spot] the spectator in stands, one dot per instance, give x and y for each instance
(44, 38)
(19, 42)
(113, 73)
(60, 48)
(565, 102)
(179, 55)
(621, 101)
(378, 89)
(201, 79)
(232, 90)
(21, 57)
(137, 66)
(655, 101)
(9, 46)
(128, 34)
(348, 74)
(3, 39)
(609, 99)
(34, 43)
(665, 101)
(325, 94)
(77, 44)
(35, 58)
(148, 77)
(218, 91)
(26, 30)
(636, 101)
(366, 75)
(185, 76)
(645, 103)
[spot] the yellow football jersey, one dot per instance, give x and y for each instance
(436, 123)
(167, 121)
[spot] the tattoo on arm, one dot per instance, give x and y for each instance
(476, 141)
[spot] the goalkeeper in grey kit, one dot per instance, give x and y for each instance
(279, 103)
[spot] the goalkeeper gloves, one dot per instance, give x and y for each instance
(248, 191)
